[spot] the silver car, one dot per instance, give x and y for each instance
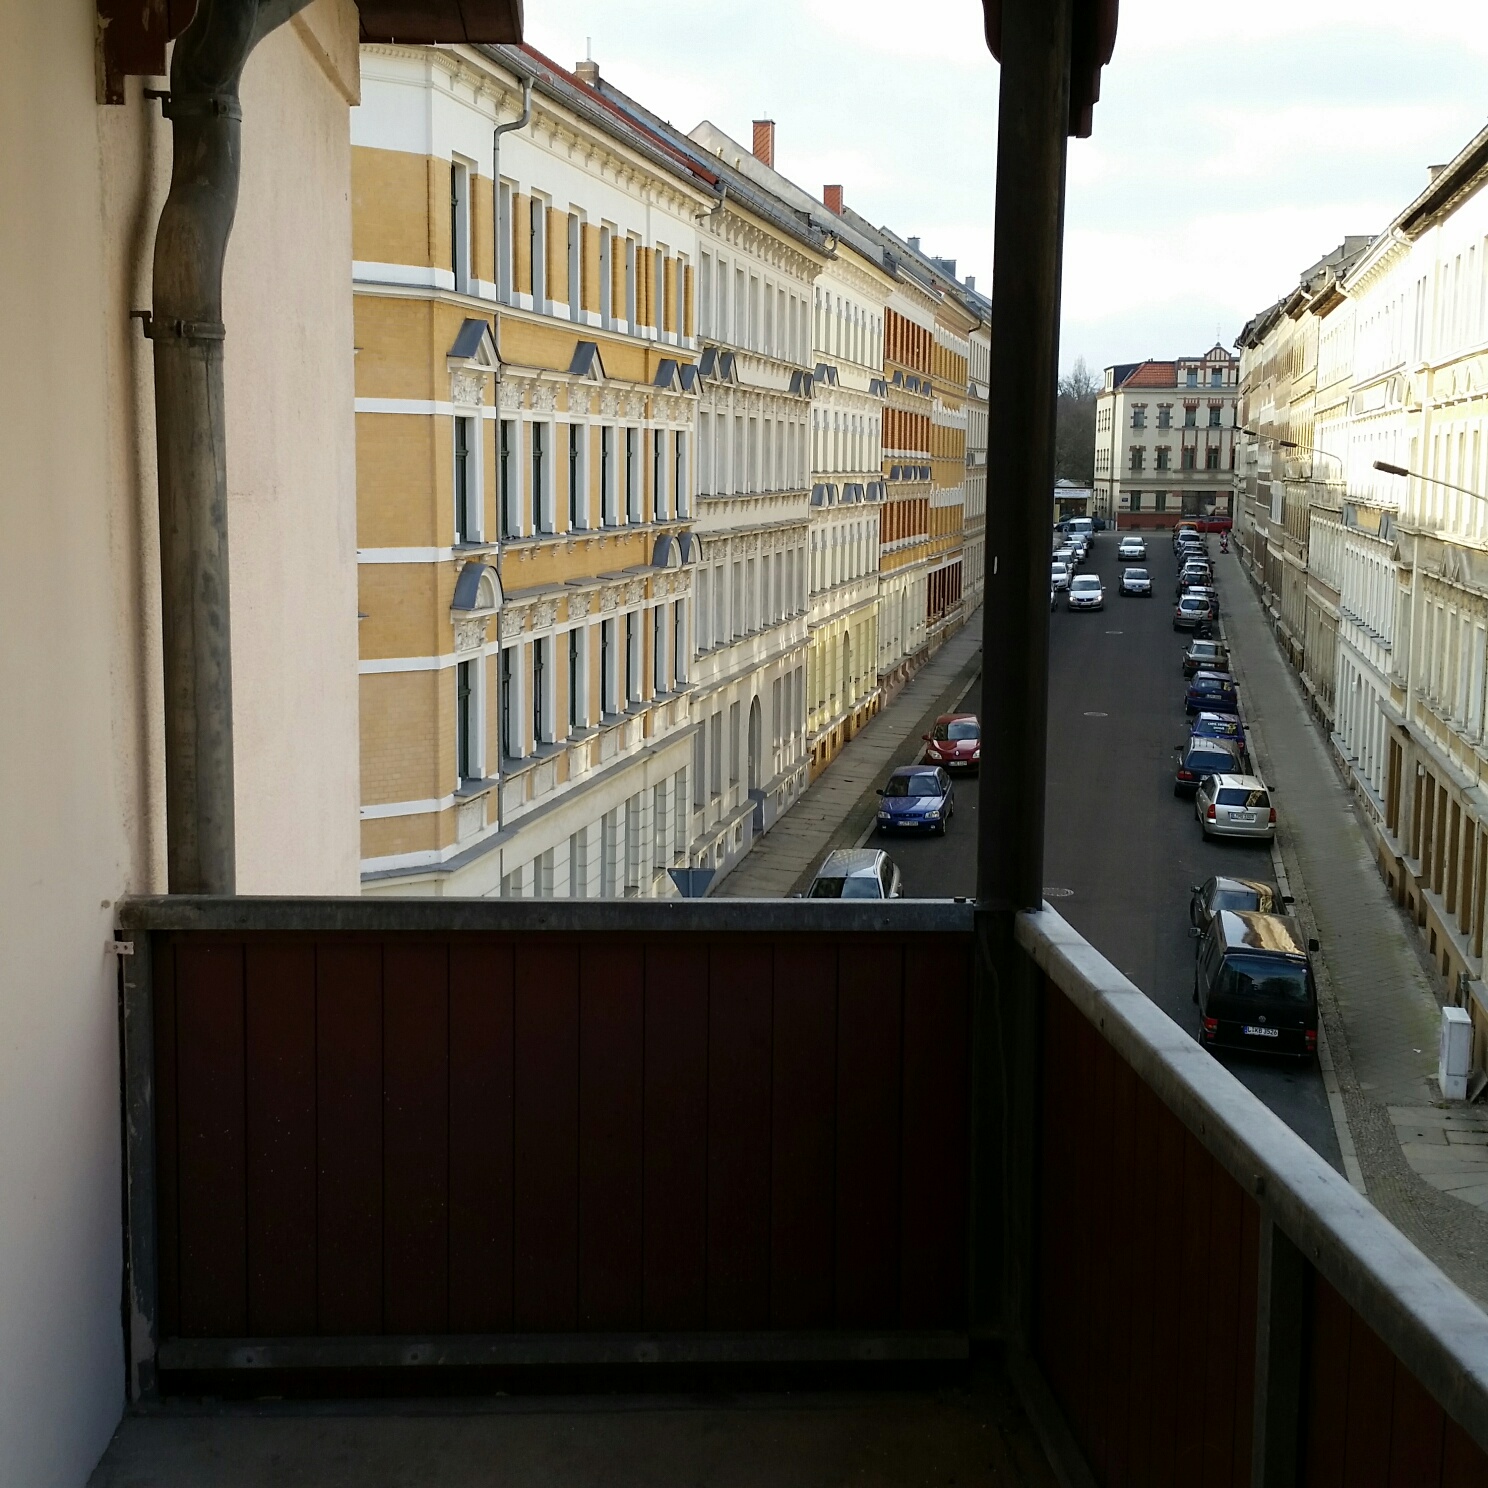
(1130, 549)
(856, 873)
(1235, 806)
(1086, 593)
(1069, 556)
(1059, 575)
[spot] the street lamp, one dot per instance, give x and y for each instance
(1293, 445)
(1386, 468)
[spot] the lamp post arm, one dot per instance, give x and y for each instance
(1386, 468)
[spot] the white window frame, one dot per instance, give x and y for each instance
(538, 243)
(462, 173)
(469, 722)
(544, 517)
(475, 505)
(607, 276)
(575, 264)
(504, 243)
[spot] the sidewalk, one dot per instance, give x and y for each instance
(824, 817)
(1422, 1162)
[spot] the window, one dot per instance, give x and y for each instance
(460, 225)
(607, 490)
(715, 754)
(632, 485)
(680, 265)
(1188, 457)
(658, 475)
(504, 243)
(1216, 377)
(576, 491)
(467, 722)
(679, 474)
(541, 682)
(1214, 415)
(1193, 377)
(575, 267)
(575, 680)
(542, 507)
(679, 642)
(630, 283)
(659, 294)
(511, 740)
(1138, 457)
(658, 650)
(1164, 457)
(700, 766)
(506, 475)
(1211, 457)
(632, 659)
(606, 278)
(1190, 417)
(538, 248)
(733, 743)
(608, 701)
(1164, 415)
(1139, 416)
(467, 488)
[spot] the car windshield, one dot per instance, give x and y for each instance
(1234, 899)
(912, 785)
(1210, 684)
(1087, 581)
(956, 732)
(1190, 602)
(1263, 979)
(1209, 762)
(1136, 573)
(1233, 795)
(846, 888)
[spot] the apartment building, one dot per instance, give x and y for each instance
(978, 393)
(846, 486)
(527, 395)
(1165, 443)
(757, 263)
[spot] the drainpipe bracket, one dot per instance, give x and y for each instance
(212, 105)
(185, 330)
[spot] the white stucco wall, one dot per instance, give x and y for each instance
(80, 780)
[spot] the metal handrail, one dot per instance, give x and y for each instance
(1433, 1327)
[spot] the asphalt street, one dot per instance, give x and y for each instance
(1121, 852)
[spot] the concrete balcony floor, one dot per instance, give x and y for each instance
(968, 1430)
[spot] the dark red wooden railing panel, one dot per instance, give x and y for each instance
(1369, 1422)
(1147, 1257)
(414, 1134)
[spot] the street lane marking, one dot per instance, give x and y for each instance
(1058, 893)
(1097, 715)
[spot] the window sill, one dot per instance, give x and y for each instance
(469, 790)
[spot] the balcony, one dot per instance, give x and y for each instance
(394, 1137)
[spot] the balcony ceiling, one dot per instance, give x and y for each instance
(441, 20)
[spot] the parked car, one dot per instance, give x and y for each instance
(1081, 545)
(1223, 892)
(917, 799)
(1068, 556)
(1194, 574)
(1218, 726)
(1192, 613)
(1254, 986)
(856, 873)
(955, 742)
(1205, 656)
(1210, 595)
(1235, 806)
(1211, 692)
(1086, 592)
(1130, 548)
(1136, 581)
(1191, 548)
(1203, 757)
(1059, 576)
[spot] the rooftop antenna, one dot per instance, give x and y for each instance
(588, 48)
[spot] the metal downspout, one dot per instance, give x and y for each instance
(190, 434)
(520, 122)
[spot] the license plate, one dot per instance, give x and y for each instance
(1242, 816)
(1261, 1032)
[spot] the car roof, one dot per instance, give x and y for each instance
(1228, 881)
(1240, 782)
(1206, 743)
(1087, 579)
(1249, 930)
(906, 771)
(1210, 675)
(1230, 720)
(1205, 641)
(1189, 597)
(957, 718)
(850, 862)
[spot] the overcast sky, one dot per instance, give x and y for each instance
(1234, 145)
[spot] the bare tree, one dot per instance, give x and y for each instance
(1074, 425)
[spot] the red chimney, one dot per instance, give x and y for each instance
(832, 195)
(764, 141)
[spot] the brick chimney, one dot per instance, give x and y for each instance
(832, 195)
(587, 71)
(764, 141)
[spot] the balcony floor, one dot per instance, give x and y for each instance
(970, 1432)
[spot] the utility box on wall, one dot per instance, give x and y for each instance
(1454, 1060)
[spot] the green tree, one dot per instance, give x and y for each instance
(1074, 425)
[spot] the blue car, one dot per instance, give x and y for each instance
(1211, 692)
(1219, 726)
(918, 798)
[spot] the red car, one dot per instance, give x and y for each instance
(955, 742)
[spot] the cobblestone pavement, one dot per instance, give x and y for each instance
(829, 813)
(1422, 1161)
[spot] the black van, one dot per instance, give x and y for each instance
(1253, 984)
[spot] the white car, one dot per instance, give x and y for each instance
(1130, 549)
(1069, 556)
(1086, 593)
(1059, 576)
